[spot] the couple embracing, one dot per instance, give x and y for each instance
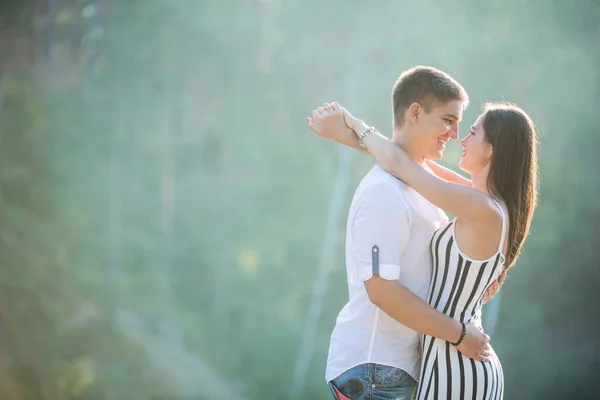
(417, 281)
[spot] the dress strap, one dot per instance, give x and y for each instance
(501, 247)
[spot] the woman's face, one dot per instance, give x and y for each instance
(476, 150)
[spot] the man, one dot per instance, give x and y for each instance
(374, 349)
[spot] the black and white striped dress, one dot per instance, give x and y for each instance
(457, 287)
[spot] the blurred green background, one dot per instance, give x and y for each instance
(170, 229)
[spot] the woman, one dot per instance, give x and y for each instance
(493, 214)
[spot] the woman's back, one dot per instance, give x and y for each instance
(459, 281)
(457, 287)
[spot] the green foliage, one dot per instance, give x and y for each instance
(163, 170)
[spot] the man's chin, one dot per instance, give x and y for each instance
(436, 156)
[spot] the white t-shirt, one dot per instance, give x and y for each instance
(387, 213)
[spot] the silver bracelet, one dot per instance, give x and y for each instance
(366, 133)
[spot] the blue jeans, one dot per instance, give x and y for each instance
(375, 381)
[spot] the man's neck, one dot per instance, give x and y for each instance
(403, 139)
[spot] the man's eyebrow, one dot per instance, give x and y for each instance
(451, 116)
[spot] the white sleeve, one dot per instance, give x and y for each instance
(381, 219)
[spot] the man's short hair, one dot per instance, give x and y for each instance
(427, 86)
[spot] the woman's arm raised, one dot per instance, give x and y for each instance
(462, 201)
(447, 174)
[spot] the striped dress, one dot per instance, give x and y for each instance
(457, 287)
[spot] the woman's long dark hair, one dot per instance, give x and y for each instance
(513, 175)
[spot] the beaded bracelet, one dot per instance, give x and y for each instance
(462, 335)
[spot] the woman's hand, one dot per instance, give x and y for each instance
(357, 125)
(328, 122)
(333, 122)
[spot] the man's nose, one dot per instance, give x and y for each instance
(453, 132)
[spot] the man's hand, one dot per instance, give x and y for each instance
(475, 344)
(328, 122)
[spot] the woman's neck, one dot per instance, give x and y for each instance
(479, 179)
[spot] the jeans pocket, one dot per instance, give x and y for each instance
(390, 377)
(337, 394)
(353, 387)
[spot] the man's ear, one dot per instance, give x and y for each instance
(413, 113)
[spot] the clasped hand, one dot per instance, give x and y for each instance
(333, 121)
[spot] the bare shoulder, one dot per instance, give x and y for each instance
(479, 238)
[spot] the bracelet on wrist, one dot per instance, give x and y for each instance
(462, 335)
(364, 134)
